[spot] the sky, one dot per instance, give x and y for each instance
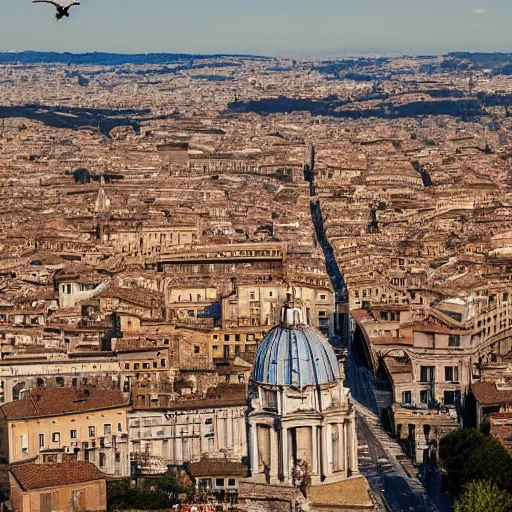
(263, 27)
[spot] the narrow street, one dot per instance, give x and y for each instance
(379, 454)
(392, 488)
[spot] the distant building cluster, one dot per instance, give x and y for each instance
(169, 291)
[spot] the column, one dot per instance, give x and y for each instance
(229, 419)
(341, 447)
(254, 449)
(346, 447)
(179, 450)
(284, 453)
(274, 454)
(314, 449)
(353, 449)
(323, 451)
(329, 447)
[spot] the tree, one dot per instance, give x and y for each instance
(157, 494)
(484, 496)
(468, 455)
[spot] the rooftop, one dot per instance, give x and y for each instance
(57, 401)
(41, 476)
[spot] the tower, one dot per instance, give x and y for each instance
(301, 422)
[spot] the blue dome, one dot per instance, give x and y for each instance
(295, 356)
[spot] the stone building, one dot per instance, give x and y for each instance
(86, 425)
(300, 413)
(166, 430)
(67, 486)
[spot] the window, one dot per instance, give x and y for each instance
(24, 444)
(451, 373)
(237, 337)
(163, 362)
(45, 502)
(78, 500)
(424, 396)
(191, 313)
(270, 294)
(197, 349)
(252, 296)
(41, 440)
(406, 397)
(145, 366)
(226, 337)
(60, 382)
(505, 297)
(452, 397)
(73, 434)
(250, 337)
(269, 399)
(136, 366)
(231, 482)
(107, 429)
(56, 437)
(323, 297)
(208, 421)
(126, 366)
(119, 427)
(74, 382)
(219, 482)
(454, 340)
(427, 373)
(92, 431)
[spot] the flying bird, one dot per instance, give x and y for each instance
(62, 10)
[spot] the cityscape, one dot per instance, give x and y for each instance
(236, 282)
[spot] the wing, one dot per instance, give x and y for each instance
(46, 2)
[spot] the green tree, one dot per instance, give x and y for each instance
(157, 494)
(467, 455)
(484, 496)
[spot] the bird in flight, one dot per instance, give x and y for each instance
(62, 10)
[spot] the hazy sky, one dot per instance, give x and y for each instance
(269, 27)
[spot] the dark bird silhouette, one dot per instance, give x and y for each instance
(62, 10)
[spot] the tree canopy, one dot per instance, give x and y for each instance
(157, 494)
(484, 496)
(468, 455)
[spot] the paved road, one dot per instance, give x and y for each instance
(379, 458)
(379, 454)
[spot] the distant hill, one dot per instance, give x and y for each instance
(109, 59)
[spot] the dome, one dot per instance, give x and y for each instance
(297, 355)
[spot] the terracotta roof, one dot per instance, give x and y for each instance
(486, 393)
(218, 467)
(40, 476)
(50, 402)
(135, 295)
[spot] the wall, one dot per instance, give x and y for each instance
(113, 443)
